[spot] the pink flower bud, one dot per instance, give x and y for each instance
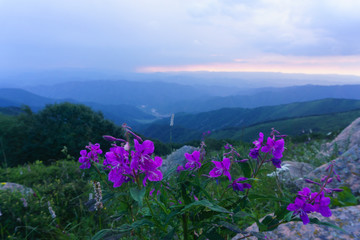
(109, 138)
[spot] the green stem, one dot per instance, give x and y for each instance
(278, 182)
(185, 226)
(102, 178)
(262, 162)
(325, 183)
(222, 195)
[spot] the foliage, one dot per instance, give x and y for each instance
(61, 186)
(182, 205)
(200, 200)
(41, 136)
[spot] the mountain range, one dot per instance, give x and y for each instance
(147, 105)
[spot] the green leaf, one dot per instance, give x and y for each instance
(205, 203)
(288, 216)
(344, 198)
(184, 194)
(246, 169)
(162, 206)
(230, 226)
(170, 235)
(268, 224)
(138, 195)
(169, 173)
(271, 197)
(213, 235)
(125, 228)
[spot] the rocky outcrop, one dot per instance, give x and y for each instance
(347, 139)
(290, 172)
(347, 218)
(347, 166)
(177, 158)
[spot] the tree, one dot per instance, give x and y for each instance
(42, 136)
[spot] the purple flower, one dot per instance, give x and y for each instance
(321, 204)
(274, 147)
(228, 146)
(259, 142)
(92, 155)
(152, 173)
(118, 161)
(84, 159)
(238, 186)
(151, 192)
(302, 208)
(254, 153)
(117, 157)
(221, 168)
(276, 162)
(142, 154)
(118, 176)
(180, 168)
(193, 160)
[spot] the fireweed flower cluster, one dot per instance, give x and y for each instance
(239, 185)
(124, 165)
(307, 202)
(123, 169)
(273, 148)
(92, 156)
(133, 161)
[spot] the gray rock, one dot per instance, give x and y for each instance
(290, 172)
(348, 138)
(16, 187)
(177, 158)
(348, 218)
(347, 166)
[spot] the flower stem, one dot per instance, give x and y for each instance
(325, 183)
(185, 226)
(102, 178)
(153, 216)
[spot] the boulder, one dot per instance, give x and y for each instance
(291, 172)
(347, 218)
(347, 166)
(348, 138)
(177, 158)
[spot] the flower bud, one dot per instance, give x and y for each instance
(337, 190)
(109, 138)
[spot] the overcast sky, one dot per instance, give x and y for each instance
(304, 36)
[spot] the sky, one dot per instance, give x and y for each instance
(286, 36)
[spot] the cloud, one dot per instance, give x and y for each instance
(126, 35)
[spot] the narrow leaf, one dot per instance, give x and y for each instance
(138, 195)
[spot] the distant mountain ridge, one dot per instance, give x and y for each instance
(13, 97)
(167, 98)
(240, 117)
(148, 95)
(267, 97)
(216, 120)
